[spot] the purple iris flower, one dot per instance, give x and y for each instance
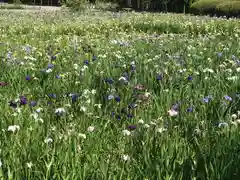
(130, 116)
(190, 109)
(228, 98)
(190, 78)
(176, 107)
(132, 67)
(94, 58)
(28, 78)
(207, 99)
(53, 57)
(113, 113)
(52, 95)
(118, 99)
(74, 98)
(33, 103)
(159, 77)
(49, 103)
(86, 62)
(109, 80)
(23, 100)
(132, 127)
(118, 117)
(50, 66)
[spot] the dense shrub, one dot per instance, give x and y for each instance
(106, 6)
(78, 5)
(229, 8)
(216, 7)
(205, 6)
(177, 6)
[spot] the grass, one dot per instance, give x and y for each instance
(119, 96)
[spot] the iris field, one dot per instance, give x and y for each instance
(130, 96)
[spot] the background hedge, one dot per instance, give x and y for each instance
(229, 8)
(216, 7)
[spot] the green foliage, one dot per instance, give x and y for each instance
(106, 6)
(76, 5)
(154, 61)
(205, 6)
(155, 5)
(216, 7)
(17, 2)
(229, 8)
